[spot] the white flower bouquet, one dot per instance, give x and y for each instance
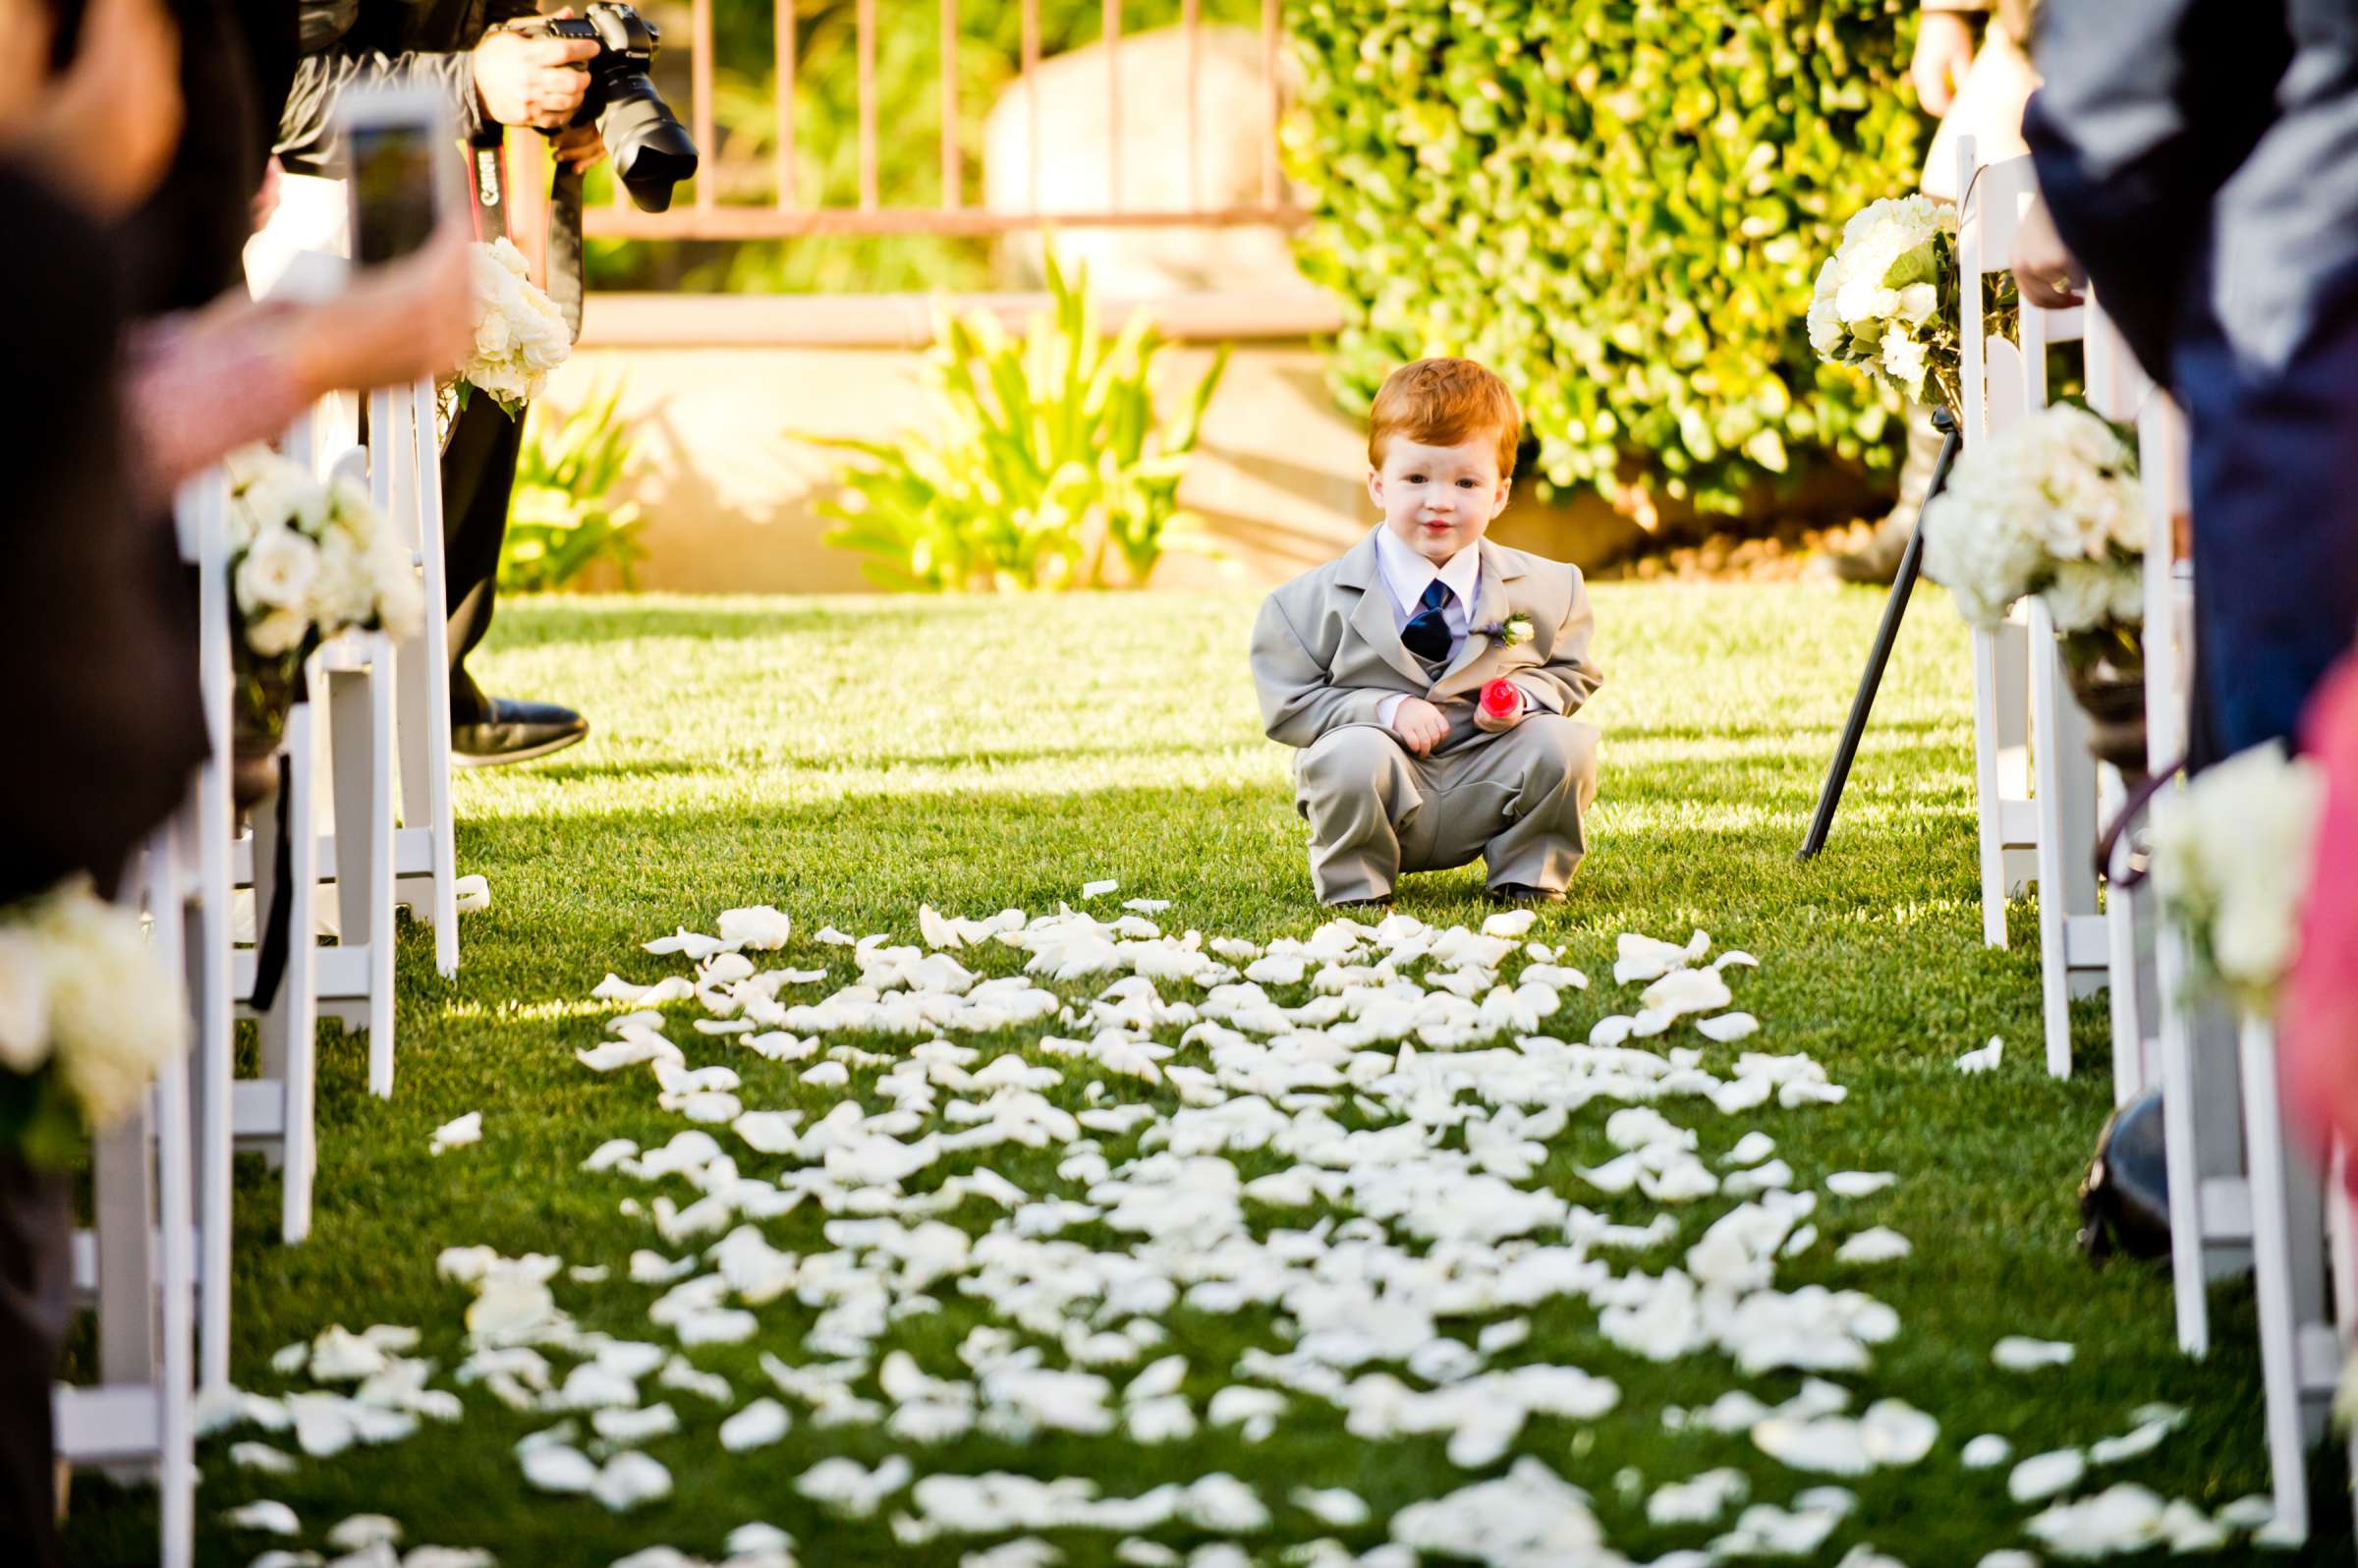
(2231, 866)
(88, 1013)
(2051, 507)
(1886, 299)
(307, 560)
(519, 336)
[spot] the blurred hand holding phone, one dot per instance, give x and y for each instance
(404, 311)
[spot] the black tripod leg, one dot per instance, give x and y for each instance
(1902, 586)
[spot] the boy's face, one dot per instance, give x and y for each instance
(1438, 499)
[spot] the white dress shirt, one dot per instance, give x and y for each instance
(1407, 575)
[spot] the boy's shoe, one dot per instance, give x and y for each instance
(1385, 902)
(1523, 893)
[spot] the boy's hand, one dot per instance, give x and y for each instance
(1491, 723)
(1419, 726)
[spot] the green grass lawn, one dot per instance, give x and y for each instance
(847, 759)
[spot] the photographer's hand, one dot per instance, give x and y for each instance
(578, 146)
(522, 80)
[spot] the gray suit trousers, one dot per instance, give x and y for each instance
(1515, 800)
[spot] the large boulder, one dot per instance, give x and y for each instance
(1233, 124)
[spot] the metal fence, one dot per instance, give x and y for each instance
(707, 218)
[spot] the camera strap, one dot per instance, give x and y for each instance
(557, 248)
(487, 182)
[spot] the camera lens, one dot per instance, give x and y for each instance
(652, 152)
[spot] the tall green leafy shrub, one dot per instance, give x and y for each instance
(1047, 469)
(1619, 206)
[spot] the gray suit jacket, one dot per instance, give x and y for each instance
(1325, 652)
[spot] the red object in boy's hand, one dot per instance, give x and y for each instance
(1502, 699)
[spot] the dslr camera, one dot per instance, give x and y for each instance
(650, 149)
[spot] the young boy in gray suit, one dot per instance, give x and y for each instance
(1374, 664)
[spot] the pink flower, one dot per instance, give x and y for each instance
(2320, 1017)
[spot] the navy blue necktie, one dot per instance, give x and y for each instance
(1427, 633)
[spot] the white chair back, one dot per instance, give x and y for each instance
(2011, 382)
(1993, 398)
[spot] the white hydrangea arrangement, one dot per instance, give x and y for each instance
(88, 1013)
(2232, 864)
(2049, 506)
(1886, 299)
(309, 559)
(519, 336)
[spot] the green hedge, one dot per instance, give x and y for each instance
(1620, 208)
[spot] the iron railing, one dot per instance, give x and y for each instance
(706, 217)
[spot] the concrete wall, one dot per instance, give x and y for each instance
(730, 496)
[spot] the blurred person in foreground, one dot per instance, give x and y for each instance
(110, 406)
(2201, 170)
(492, 77)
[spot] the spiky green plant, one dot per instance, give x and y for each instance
(561, 522)
(1045, 463)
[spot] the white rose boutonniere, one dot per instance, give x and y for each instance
(1513, 632)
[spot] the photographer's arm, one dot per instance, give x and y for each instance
(303, 126)
(504, 78)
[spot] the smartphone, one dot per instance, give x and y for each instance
(402, 167)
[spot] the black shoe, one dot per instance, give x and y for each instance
(516, 732)
(1877, 562)
(1520, 893)
(1385, 902)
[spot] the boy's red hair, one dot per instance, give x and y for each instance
(1442, 403)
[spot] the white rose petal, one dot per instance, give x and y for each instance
(1987, 1451)
(757, 1424)
(467, 1128)
(2042, 1476)
(361, 1530)
(2015, 1353)
(272, 1518)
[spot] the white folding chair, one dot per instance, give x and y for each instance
(2300, 1346)
(353, 979)
(2074, 944)
(274, 1112)
(303, 250)
(204, 846)
(2210, 1202)
(405, 467)
(2117, 389)
(2341, 1258)
(140, 1417)
(1992, 393)
(2005, 383)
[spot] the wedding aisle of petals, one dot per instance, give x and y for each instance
(1111, 1229)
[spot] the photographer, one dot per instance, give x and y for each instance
(492, 78)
